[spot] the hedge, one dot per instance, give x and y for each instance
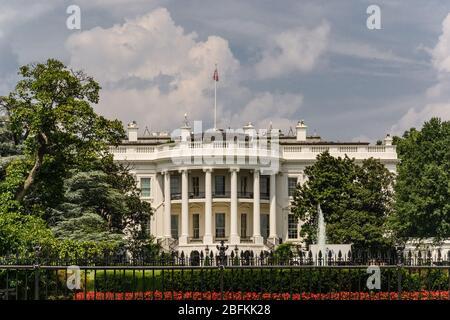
(267, 280)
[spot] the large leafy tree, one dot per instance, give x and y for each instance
(65, 174)
(9, 148)
(423, 182)
(102, 204)
(356, 200)
(50, 111)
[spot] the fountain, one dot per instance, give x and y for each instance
(321, 231)
(322, 246)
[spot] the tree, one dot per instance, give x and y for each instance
(19, 233)
(102, 204)
(50, 111)
(355, 199)
(422, 191)
(9, 149)
(65, 178)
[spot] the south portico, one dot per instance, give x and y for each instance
(205, 205)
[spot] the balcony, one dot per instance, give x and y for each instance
(196, 195)
(175, 196)
(264, 196)
(245, 195)
(191, 195)
(226, 194)
(220, 195)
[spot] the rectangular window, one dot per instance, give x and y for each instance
(196, 225)
(292, 186)
(265, 225)
(292, 227)
(175, 187)
(244, 185)
(174, 226)
(196, 186)
(146, 187)
(244, 225)
(220, 185)
(264, 186)
(220, 225)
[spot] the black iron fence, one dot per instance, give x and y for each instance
(228, 275)
(229, 256)
(24, 282)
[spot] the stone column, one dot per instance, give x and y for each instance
(184, 207)
(234, 236)
(207, 237)
(256, 209)
(167, 205)
(273, 208)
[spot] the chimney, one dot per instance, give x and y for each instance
(301, 131)
(388, 140)
(249, 130)
(133, 131)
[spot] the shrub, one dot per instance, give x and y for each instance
(314, 280)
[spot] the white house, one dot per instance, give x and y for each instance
(231, 185)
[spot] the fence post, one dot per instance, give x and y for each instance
(222, 259)
(36, 267)
(399, 270)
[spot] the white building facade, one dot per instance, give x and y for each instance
(234, 186)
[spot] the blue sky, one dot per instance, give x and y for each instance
(279, 61)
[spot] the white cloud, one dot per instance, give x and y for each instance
(437, 96)
(366, 51)
(173, 72)
(148, 48)
(296, 49)
(415, 118)
(265, 108)
(441, 52)
(20, 11)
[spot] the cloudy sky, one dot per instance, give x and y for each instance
(279, 61)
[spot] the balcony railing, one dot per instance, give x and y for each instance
(175, 196)
(222, 195)
(196, 195)
(245, 195)
(264, 196)
(226, 194)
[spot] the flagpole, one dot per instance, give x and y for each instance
(215, 104)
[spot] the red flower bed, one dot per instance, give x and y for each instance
(189, 295)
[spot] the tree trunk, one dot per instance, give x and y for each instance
(32, 175)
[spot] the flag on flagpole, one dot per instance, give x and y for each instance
(216, 75)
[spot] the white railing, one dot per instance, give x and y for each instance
(145, 149)
(376, 149)
(244, 149)
(347, 149)
(118, 150)
(320, 149)
(292, 149)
